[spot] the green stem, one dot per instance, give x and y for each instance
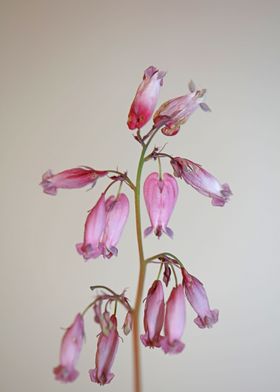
(164, 254)
(159, 169)
(142, 271)
(174, 274)
(159, 272)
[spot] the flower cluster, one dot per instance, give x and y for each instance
(164, 320)
(171, 317)
(107, 343)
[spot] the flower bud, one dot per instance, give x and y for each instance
(127, 325)
(146, 98)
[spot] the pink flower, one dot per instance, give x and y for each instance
(174, 322)
(197, 297)
(117, 210)
(201, 180)
(175, 112)
(107, 346)
(70, 349)
(94, 227)
(146, 98)
(153, 315)
(160, 197)
(70, 179)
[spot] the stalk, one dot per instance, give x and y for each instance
(142, 271)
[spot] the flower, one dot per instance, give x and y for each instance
(70, 179)
(94, 227)
(201, 180)
(104, 226)
(146, 98)
(175, 112)
(160, 197)
(70, 349)
(107, 346)
(174, 322)
(197, 297)
(117, 210)
(153, 315)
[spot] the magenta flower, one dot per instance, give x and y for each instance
(197, 297)
(175, 112)
(70, 179)
(174, 322)
(107, 346)
(160, 197)
(94, 227)
(146, 98)
(153, 315)
(117, 210)
(70, 349)
(201, 180)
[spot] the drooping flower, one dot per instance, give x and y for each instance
(94, 227)
(175, 112)
(174, 322)
(146, 98)
(117, 210)
(107, 346)
(160, 197)
(197, 297)
(153, 315)
(70, 179)
(204, 182)
(70, 349)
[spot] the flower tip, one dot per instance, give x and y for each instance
(148, 231)
(176, 347)
(46, 184)
(209, 320)
(169, 232)
(65, 375)
(104, 379)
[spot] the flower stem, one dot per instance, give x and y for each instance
(157, 256)
(142, 271)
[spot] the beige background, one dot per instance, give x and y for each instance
(69, 70)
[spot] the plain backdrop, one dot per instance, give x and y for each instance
(69, 71)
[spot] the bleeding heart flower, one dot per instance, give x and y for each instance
(117, 210)
(94, 227)
(70, 349)
(153, 315)
(175, 112)
(70, 179)
(160, 196)
(107, 347)
(197, 297)
(174, 322)
(204, 182)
